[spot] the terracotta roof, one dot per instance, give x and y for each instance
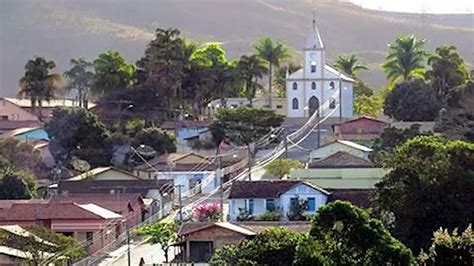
(264, 188)
(41, 211)
(364, 117)
(189, 228)
(245, 228)
(341, 159)
(7, 125)
(184, 124)
(99, 170)
(114, 202)
(164, 162)
(359, 197)
(141, 186)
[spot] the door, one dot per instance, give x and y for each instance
(313, 105)
(200, 251)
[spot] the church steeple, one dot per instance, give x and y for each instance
(314, 41)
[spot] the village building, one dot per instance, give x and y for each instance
(359, 129)
(258, 197)
(331, 148)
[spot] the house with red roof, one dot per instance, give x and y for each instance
(257, 197)
(361, 128)
(90, 224)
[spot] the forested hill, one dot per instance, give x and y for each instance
(61, 29)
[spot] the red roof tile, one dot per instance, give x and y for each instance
(116, 203)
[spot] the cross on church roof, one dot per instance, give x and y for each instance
(314, 41)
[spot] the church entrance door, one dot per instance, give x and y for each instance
(313, 105)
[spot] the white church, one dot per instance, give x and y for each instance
(318, 85)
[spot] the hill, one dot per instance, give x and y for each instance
(61, 29)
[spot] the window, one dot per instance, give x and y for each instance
(279, 106)
(294, 104)
(332, 104)
(311, 205)
(295, 86)
(313, 66)
(250, 206)
(313, 86)
(89, 237)
(4, 117)
(331, 85)
(270, 204)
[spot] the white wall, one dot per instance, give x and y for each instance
(208, 183)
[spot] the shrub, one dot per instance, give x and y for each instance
(207, 213)
(269, 216)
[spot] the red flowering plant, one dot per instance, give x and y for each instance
(207, 213)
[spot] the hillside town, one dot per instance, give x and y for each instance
(186, 156)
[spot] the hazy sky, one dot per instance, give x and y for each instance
(417, 6)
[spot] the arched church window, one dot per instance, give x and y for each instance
(332, 103)
(295, 86)
(313, 86)
(331, 85)
(313, 66)
(294, 104)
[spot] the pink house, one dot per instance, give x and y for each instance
(361, 128)
(90, 224)
(130, 206)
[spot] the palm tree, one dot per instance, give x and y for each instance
(405, 59)
(80, 79)
(38, 84)
(273, 52)
(251, 69)
(349, 65)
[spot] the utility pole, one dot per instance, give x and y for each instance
(250, 162)
(180, 203)
(128, 244)
(221, 179)
(340, 100)
(285, 141)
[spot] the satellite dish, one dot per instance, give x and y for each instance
(80, 165)
(145, 150)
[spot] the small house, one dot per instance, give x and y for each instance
(258, 197)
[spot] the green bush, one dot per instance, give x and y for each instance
(269, 216)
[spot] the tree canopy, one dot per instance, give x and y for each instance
(80, 78)
(77, 133)
(432, 181)
(281, 167)
(163, 234)
(412, 101)
(112, 72)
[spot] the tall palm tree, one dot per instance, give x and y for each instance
(80, 79)
(405, 59)
(38, 84)
(273, 52)
(251, 69)
(349, 65)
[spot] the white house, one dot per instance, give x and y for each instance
(318, 84)
(350, 147)
(258, 197)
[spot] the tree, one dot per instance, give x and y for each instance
(349, 65)
(450, 249)
(38, 84)
(80, 79)
(163, 234)
(281, 167)
(412, 101)
(207, 213)
(42, 241)
(343, 234)
(16, 184)
(405, 59)
(77, 133)
(275, 246)
(162, 66)
(457, 122)
(244, 125)
(368, 105)
(273, 52)
(112, 72)
(433, 182)
(160, 141)
(22, 156)
(251, 70)
(448, 72)
(280, 78)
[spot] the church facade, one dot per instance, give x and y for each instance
(318, 86)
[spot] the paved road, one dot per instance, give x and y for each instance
(150, 253)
